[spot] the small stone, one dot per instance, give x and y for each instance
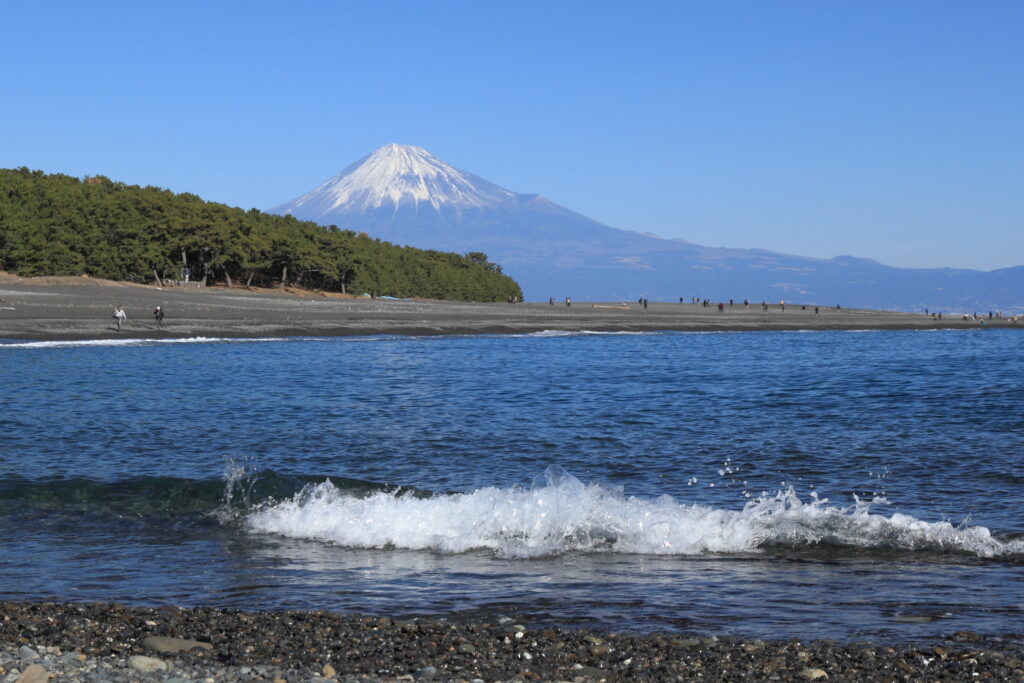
(147, 664)
(328, 671)
(34, 673)
(168, 645)
(586, 672)
(593, 640)
(526, 655)
(600, 650)
(427, 673)
(27, 654)
(686, 642)
(814, 674)
(466, 649)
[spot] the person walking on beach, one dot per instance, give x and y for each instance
(120, 316)
(158, 315)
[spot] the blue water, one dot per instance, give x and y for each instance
(826, 484)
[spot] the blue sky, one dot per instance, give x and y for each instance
(888, 130)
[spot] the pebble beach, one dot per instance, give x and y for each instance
(112, 642)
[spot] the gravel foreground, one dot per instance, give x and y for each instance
(112, 642)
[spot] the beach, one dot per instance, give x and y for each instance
(74, 308)
(113, 642)
(133, 551)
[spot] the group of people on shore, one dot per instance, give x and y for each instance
(121, 317)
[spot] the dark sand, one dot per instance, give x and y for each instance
(69, 308)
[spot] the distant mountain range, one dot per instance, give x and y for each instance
(405, 195)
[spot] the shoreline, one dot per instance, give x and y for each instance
(115, 642)
(69, 309)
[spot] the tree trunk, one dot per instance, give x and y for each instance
(227, 277)
(284, 277)
(248, 282)
(343, 274)
(157, 276)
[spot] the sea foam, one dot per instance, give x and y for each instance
(134, 342)
(561, 514)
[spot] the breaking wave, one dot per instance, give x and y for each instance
(561, 514)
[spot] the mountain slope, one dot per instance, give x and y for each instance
(405, 195)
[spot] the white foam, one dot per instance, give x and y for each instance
(563, 514)
(579, 333)
(133, 342)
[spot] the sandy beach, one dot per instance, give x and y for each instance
(71, 308)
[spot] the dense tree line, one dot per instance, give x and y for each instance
(60, 225)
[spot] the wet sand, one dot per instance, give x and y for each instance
(81, 308)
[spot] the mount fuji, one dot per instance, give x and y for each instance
(404, 195)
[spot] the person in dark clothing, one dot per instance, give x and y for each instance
(158, 316)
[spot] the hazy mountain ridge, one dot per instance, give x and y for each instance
(407, 196)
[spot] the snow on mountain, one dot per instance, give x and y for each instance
(403, 194)
(395, 175)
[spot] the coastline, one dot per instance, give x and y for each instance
(110, 641)
(57, 309)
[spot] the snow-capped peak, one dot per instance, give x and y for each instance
(396, 174)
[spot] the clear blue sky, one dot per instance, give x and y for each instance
(889, 130)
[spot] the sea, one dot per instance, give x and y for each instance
(839, 485)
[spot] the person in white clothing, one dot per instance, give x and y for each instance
(120, 316)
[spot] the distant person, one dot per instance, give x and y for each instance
(815, 310)
(721, 307)
(568, 301)
(120, 316)
(551, 301)
(645, 304)
(158, 316)
(730, 303)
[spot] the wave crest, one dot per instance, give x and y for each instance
(560, 514)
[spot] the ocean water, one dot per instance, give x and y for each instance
(811, 485)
